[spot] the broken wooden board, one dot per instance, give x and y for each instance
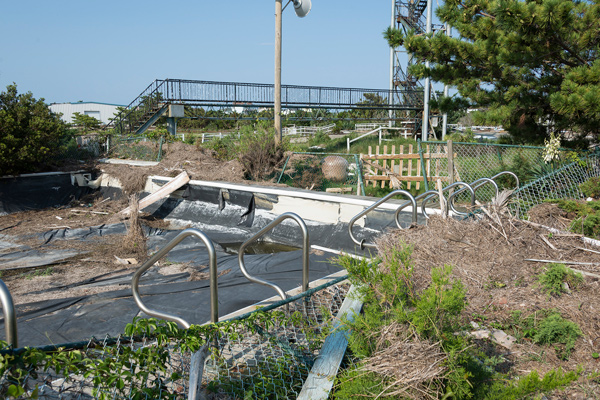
(163, 192)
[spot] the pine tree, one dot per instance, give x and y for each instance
(533, 65)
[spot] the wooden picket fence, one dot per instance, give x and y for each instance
(405, 165)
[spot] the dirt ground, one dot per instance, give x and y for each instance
(490, 258)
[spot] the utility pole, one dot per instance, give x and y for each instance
(427, 91)
(277, 111)
(445, 115)
(391, 95)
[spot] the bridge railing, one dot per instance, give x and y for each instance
(251, 95)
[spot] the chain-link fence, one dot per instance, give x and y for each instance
(472, 161)
(326, 172)
(135, 148)
(560, 184)
(264, 354)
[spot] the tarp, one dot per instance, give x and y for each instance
(38, 192)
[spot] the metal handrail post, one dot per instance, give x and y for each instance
(433, 193)
(305, 249)
(475, 185)
(411, 200)
(212, 263)
(10, 316)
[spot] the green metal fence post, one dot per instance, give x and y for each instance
(359, 180)
(283, 169)
(160, 149)
(425, 183)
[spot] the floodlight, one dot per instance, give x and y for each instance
(302, 7)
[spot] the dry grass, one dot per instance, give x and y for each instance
(414, 366)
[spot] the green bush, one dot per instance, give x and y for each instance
(555, 276)
(437, 310)
(555, 329)
(30, 134)
(591, 188)
(319, 138)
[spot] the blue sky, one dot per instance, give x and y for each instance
(109, 51)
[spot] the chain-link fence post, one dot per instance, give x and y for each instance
(423, 169)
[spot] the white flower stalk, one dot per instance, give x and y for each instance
(551, 151)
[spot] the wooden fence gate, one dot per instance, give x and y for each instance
(382, 168)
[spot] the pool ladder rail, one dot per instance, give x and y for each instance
(426, 197)
(213, 274)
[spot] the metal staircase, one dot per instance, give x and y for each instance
(142, 112)
(409, 16)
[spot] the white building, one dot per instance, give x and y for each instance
(103, 112)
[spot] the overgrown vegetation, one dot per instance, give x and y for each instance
(585, 216)
(127, 370)
(554, 278)
(401, 313)
(32, 138)
(591, 188)
(256, 151)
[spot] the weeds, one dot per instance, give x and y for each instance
(591, 188)
(554, 278)
(399, 315)
(556, 330)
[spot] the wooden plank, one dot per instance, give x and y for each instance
(404, 178)
(376, 162)
(384, 164)
(163, 192)
(392, 162)
(410, 169)
(322, 375)
(402, 161)
(391, 156)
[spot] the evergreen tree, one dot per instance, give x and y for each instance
(532, 64)
(30, 134)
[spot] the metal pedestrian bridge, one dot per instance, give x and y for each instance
(155, 100)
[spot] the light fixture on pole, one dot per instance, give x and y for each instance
(302, 8)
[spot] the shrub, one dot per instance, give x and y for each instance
(259, 155)
(555, 329)
(319, 138)
(555, 275)
(30, 134)
(587, 225)
(591, 188)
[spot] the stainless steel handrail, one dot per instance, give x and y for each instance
(433, 193)
(212, 266)
(411, 200)
(508, 173)
(476, 184)
(10, 316)
(408, 203)
(305, 248)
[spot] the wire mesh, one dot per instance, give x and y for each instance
(560, 184)
(135, 148)
(266, 357)
(473, 161)
(326, 172)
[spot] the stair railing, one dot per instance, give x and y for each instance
(411, 200)
(212, 266)
(151, 92)
(305, 249)
(10, 316)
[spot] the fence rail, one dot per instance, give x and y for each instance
(307, 130)
(403, 164)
